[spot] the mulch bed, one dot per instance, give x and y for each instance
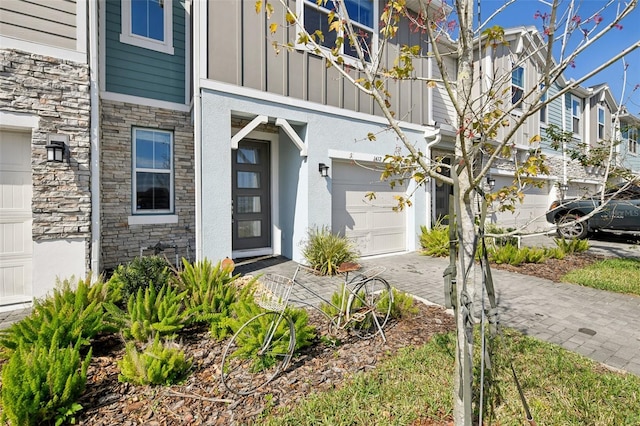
(202, 400)
(552, 269)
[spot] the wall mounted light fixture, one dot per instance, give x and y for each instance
(56, 147)
(323, 169)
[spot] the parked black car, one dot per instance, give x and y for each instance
(621, 213)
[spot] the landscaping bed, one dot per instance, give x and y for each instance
(203, 400)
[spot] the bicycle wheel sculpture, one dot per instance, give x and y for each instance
(258, 352)
(370, 307)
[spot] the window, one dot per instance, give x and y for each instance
(543, 108)
(601, 116)
(632, 136)
(361, 13)
(152, 171)
(576, 108)
(148, 24)
(517, 86)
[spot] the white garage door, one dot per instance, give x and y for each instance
(15, 217)
(529, 213)
(372, 225)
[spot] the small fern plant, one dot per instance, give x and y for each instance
(572, 246)
(151, 313)
(42, 381)
(76, 311)
(159, 363)
(210, 293)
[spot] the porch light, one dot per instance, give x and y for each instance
(564, 187)
(323, 169)
(56, 148)
(491, 182)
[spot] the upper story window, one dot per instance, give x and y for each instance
(576, 114)
(361, 13)
(601, 118)
(517, 86)
(152, 171)
(148, 24)
(632, 136)
(543, 108)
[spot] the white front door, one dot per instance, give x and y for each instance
(15, 218)
(373, 225)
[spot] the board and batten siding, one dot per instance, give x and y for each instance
(49, 22)
(136, 71)
(554, 116)
(240, 52)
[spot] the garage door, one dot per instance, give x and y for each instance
(15, 217)
(530, 213)
(372, 225)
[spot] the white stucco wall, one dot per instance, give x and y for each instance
(325, 130)
(56, 259)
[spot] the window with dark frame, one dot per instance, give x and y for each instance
(517, 86)
(601, 118)
(152, 171)
(360, 12)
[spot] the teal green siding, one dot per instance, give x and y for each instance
(136, 71)
(554, 116)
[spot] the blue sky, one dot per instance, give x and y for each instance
(522, 13)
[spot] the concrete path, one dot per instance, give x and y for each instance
(601, 325)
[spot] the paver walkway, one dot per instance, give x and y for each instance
(601, 325)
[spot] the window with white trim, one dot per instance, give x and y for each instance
(361, 13)
(152, 171)
(576, 114)
(632, 136)
(517, 86)
(601, 121)
(148, 24)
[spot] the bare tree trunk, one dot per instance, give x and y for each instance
(463, 167)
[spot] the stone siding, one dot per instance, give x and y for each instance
(57, 92)
(121, 242)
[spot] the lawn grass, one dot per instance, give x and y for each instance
(415, 387)
(618, 275)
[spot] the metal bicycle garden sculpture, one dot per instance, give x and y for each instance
(264, 345)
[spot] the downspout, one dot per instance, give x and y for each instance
(96, 253)
(432, 190)
(199, 13)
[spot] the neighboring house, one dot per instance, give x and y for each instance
(587, 113)
(45, 206)
(146, 161)
(629, 148)
(270, 123)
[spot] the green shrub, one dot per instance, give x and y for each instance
(572, 246)
(160, 363)
(508, 254)
(555, 253)
(325, 251)
(76, 311)
(210, 294)
(140, 273)
(403, 305)
(534, 254)
(435, 241)
(498, 240)
(246, 308)
(42, 381)
(151, 313)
